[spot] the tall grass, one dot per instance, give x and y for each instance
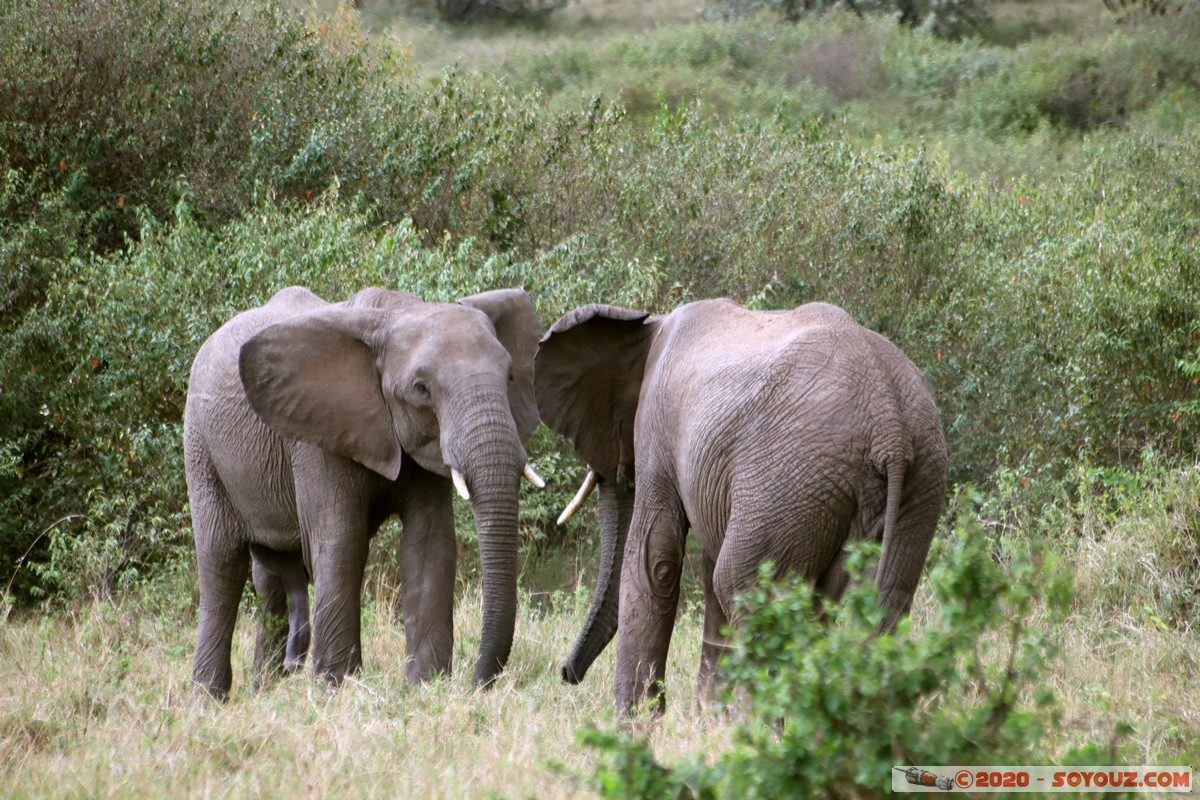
(96, 702)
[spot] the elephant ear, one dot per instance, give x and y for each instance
(518, 329)
(589, 370)
(313, 378)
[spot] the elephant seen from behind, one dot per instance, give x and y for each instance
(773, 435)
(308, 424)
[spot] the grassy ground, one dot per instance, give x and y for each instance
(97, 703)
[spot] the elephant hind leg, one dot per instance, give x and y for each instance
(223, 562)
(222, 579)
(715, 645)
(299, 626)
(833, 582)
(907, 535)
(283, 634)
(810, 551)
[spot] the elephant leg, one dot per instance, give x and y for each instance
(428, 552)
(222, 561)
(270, 642)
(650, 572)
(299, 629)
(714, 646)
(283, 631)
(834, 581)
(918, 501)
(806, 550)
(335, 532)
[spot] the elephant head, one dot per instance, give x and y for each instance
(588, 377)
(385, 377)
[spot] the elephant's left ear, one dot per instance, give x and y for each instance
(518, 329)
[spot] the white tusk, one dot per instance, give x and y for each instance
(533, 477)
(460, 483)
(589, 483)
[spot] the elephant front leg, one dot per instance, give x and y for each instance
(338, 555)
(427, 560)
(650, 573)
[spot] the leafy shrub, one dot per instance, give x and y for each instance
(1060, 83)
(830, 707)
(125, 106)
(1082, 304)
(947, 18)
(468, 10)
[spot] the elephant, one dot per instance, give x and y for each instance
(308, 424)
(776, 436)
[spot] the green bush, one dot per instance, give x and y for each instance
(1065, 329)
(947, 18)
(828, 707)
(1060, 83)
(1057, 318)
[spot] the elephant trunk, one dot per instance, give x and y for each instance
(488, 451)
(616, 510)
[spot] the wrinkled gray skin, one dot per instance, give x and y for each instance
(309, 424)
(775, 436)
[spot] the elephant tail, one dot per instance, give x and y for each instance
(895, 564)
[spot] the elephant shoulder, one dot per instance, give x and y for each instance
(219, 353)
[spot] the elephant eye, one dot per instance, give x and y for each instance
(510, 377)
(420, 387)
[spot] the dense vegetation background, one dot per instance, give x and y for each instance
(1012, 195)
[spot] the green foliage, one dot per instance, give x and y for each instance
(1055, 82)
(187, 162)
(945, 18)
(830, 706)
(969, 688)
(470, 10)
(636, 773)
(1082, 295)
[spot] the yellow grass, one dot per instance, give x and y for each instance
(97, 703)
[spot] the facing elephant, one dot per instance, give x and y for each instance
(308, 424)
(773, 435)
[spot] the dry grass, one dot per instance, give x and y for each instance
(98, 704)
